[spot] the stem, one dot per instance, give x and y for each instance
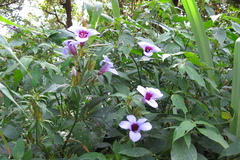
(139, 76)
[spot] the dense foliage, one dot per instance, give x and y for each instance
(63, 104)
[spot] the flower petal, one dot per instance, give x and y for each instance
(152, 103)
(148, 54)
(114, 71)
(156, 93)
(81, 39)
(105, 68)
(131, 119)
(143, 45)
(92, 32)
(141, 121)
(142, 90)
(155, 49)
(65, 50)
(145, 127)
(134, 136)
(125, 125)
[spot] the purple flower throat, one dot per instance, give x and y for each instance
(83, 34)
(147, 49)
(148, 96)
(134, 127)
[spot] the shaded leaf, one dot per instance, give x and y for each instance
(178, 101)
(135, 152)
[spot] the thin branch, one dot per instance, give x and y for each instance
(8, 3)
(55, 14)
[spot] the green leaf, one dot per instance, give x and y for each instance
(92, 156)
(236, 27)
(6, 93)
(115, 9)
(199, 33)
(219, 34)
(135, 152)
(17, 76)
(18, 149)
(2, 19)
(193, 58)
(233, 149)
(235, 103)
(96, 14)
(36, 73)
(213, 134)
(183, 129)
(90, 105)
(10, 132)
(180, 151)
(122, 88)
(192, 73)
(178, 101)
(5, 44)
(125, 42)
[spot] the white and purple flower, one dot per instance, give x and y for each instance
(108, 66)
(82, 33)
(149, 95)
(70, 46)
(13, 28)
(148, 49)
(135, 127)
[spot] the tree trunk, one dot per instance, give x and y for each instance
(68, 9)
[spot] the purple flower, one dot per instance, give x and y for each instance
(149, 95)
(148, 48)
(13, 28)
(82, 33)
(70, 46)
(135, 126)
(108, 66)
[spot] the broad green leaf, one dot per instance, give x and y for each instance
(213, 134)
(135, 152)
(18, 149)
(201, 157)
(236, 27)
(192, 73)
(180, 151)
(36, 74)
(10, 132)
(183, 129)
(219, 34)
(125, 42)
(115, 8)
(178, 101)
(6, 45)
(96, 14)
(122, 88)
(193, 58)
(17, 76)
(91, 156)
(7, 93)
(233, 149)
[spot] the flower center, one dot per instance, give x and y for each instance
(148, 96)
(83, 34)
(147, 49)
(134, 127)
